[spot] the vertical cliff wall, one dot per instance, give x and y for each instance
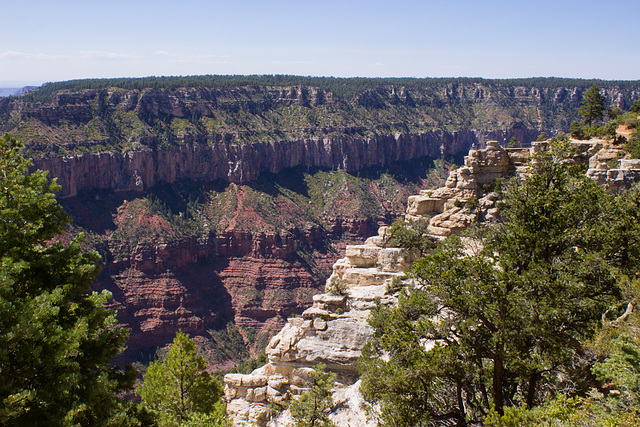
(141, 170)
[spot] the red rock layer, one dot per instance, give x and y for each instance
(255, 280)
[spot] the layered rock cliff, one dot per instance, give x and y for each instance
(141, 170)
(131, 134)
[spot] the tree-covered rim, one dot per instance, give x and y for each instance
(344, 88)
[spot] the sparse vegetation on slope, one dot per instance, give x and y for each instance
(122, 115)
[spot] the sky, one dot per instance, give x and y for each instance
(54, 40)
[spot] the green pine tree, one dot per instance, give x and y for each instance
(592, 105)
(56, 338)
(178, 385)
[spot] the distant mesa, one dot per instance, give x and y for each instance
(15, 91)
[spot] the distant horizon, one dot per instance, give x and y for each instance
(43, 41)
(19, 84)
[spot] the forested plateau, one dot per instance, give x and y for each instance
(220, 203)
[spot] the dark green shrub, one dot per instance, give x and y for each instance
(471, 203)
(633, 146)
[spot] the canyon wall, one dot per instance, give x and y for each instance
(141, 170)
(220, 285)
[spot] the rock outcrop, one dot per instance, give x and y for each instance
(467, 196)
(611, 167)
(334, 330)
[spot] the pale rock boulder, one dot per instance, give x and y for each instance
(518, 156)
(630, 164)
(395, 260)
(380, 240)
(611, 168)
(452, 221)
(466, 179)
(421, 204)
(488, 164)
(333, 331)
(350, 409)
(608, 156)
(362, 255)
(447, 193)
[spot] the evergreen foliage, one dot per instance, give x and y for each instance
(312, 407)
(178, 386)
(56, 338)
(592, 105)
(507, 327)
(413, 236)
(633, 146)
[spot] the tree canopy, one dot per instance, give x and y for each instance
(507, 326)
(179, 388)
(56, 337)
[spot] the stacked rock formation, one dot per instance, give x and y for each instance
(467, 196)
(335, 329)
(332, 331)
(611, 167)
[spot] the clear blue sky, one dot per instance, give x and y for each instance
(52, 40)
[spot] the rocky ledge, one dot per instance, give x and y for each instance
(335, 329)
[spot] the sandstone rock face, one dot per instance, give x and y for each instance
(455, 206)
(140, 170)
(420, 205)
(489, 164)
(612, 168)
